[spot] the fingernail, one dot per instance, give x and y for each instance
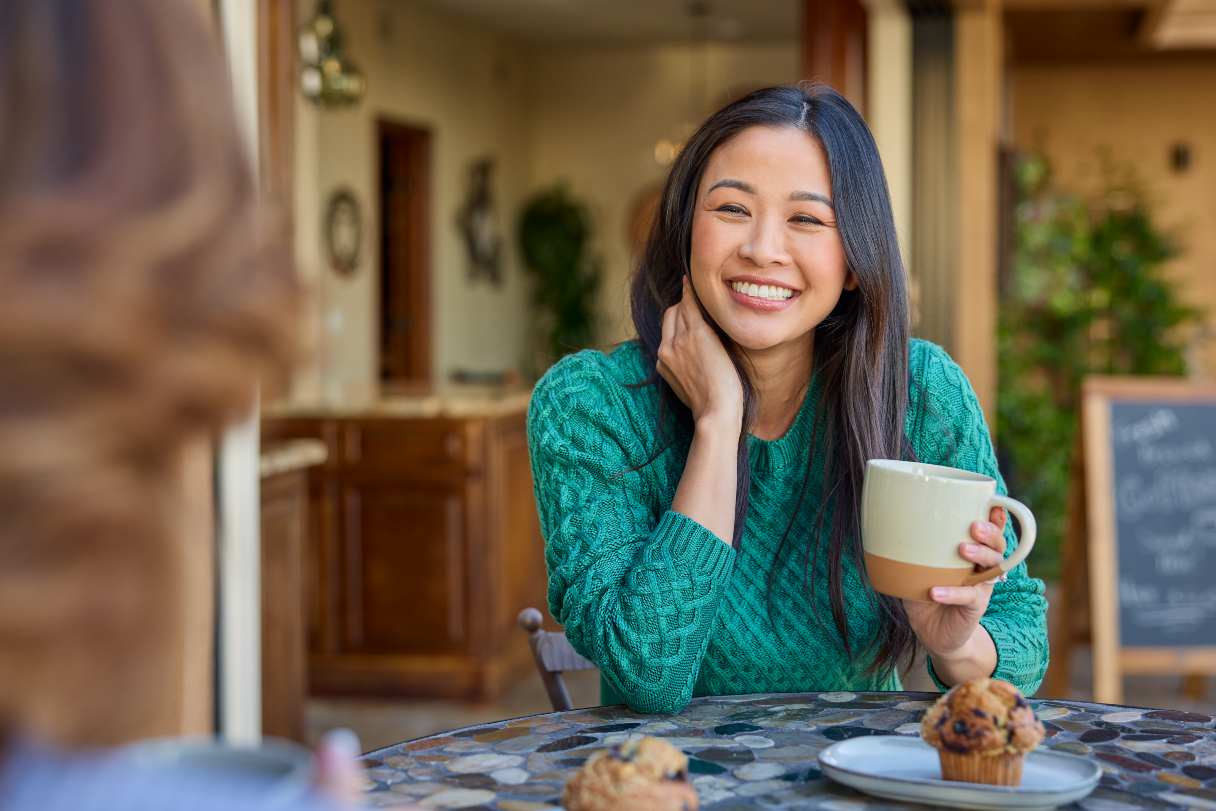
(342, 742)
(937, 593)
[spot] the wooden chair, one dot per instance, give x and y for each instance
(554, 656)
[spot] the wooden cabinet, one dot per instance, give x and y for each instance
(425, 547)
(284, 511)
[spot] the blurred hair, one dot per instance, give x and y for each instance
(141, 301)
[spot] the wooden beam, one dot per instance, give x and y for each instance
(834, 46)
(978, 72)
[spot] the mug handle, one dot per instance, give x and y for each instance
(1025, 543)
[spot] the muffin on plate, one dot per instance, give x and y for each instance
(642, 773)
(982, 730)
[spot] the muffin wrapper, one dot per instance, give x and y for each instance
(995, 770)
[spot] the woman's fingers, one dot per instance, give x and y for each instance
(981, 555)
(990, 535)
(666, 374)
(668, 331)
(997, 516)
(956, 595)
(687, 305)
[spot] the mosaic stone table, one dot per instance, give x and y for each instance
(749, 752)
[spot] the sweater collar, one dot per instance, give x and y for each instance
(791, 449)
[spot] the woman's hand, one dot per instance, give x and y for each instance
(694, 363)
(949, 626)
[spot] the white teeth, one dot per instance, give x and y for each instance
(762, 291)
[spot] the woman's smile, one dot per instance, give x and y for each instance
(761, 294)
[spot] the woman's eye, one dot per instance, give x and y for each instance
(803, 219)
(730, 208)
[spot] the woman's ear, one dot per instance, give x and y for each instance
(850, 281)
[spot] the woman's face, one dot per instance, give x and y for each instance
(767, 261)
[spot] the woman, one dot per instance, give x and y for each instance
(699, 487)
(138, 309)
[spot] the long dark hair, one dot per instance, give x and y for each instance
(861, 348)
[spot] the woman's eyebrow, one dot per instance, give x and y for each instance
(812, 197)
(730, 183)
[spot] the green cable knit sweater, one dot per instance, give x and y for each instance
(666, 609)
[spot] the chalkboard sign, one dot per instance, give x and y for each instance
(1139, 564)
(1165, 521)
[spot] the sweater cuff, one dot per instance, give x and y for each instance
(1012, 663)
(995, 674)
(686, 540)
(1005, 642)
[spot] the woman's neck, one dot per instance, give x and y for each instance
(780, 377)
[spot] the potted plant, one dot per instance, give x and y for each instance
(1086, 294)
(554, 238)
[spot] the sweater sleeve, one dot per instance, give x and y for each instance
(947, 427)
(637, 586)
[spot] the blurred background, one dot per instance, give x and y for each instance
(467, 182)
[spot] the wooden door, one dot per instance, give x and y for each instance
(405, 221)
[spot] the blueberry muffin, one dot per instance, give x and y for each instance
(982, 730)
(644, 773)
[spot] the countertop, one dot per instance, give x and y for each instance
(447, 401)
(291, 455)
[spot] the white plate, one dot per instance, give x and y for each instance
(904, 768)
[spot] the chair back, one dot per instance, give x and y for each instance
(554, 655)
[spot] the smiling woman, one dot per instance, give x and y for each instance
(699, 487)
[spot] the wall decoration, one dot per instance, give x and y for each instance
(478, 223)
(328, 78)
(343, 231)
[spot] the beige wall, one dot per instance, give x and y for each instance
(1137, 111)
(587, 115)
(596, 113)
(466, 86)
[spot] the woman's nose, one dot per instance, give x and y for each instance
(765, 244)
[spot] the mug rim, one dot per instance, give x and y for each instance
(953, 475)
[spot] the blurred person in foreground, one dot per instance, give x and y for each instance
(140, 304)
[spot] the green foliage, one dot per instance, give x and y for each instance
(554, 236)
(1086, 295)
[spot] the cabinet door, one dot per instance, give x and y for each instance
(404, 587)
(284, 517)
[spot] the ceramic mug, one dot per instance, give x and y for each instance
(915, 515)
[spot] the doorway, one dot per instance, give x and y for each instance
(405, 257)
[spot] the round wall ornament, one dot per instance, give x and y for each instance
(343, 231)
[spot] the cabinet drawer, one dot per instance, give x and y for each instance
(422, 446)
